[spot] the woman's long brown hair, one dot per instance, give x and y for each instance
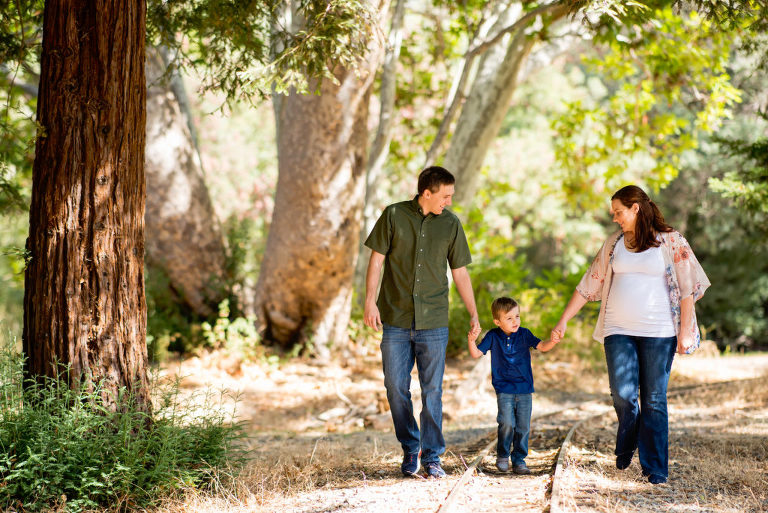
(650, 220)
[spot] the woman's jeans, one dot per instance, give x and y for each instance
(641, 363)
(514, 420)
(400, 347)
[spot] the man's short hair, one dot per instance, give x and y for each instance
(433, 177)
(502, 305)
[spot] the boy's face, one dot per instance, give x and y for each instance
(509, 322)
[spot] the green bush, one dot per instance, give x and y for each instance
(541, 292)
(236, 336)
(61, 448)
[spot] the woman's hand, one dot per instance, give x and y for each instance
(684, 342)
(560, 329)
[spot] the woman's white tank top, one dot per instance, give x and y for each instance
(638, 302)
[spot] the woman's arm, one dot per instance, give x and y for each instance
(574, 305)
(685, 338)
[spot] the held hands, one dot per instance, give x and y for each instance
(558, 332)
(474, 329)
(474, 326)
(474, 332)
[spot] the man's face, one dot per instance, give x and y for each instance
(438, 200)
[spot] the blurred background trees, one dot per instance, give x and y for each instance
(542, 109)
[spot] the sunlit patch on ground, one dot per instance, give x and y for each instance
(310, 450)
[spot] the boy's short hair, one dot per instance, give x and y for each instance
(502, 305)
(433, 177)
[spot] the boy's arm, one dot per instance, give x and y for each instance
(473, 350)
(546, 345)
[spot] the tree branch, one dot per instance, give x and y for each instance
(555, 7)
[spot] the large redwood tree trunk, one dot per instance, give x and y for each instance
(84, 286)
(183, 235)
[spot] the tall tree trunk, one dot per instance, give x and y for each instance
(183, 236)
(489, 98)
(380, 146)
(84, 286)
(304, 292)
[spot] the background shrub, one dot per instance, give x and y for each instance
(60, 448)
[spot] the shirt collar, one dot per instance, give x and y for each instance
(417, 207)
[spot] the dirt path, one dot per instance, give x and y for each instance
(312, 452)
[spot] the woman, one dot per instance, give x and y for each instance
(647, 279)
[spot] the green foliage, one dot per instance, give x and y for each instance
(498, 270)
(170, 325)
(61, 449)
(237, 336)
(667, 84)
(249, 48)
(729, 242)
(19, 44)
(746, 183)
(13, 228)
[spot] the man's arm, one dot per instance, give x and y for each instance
(371, 317)
(464, 286)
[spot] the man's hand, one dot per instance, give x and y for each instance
(371, 317)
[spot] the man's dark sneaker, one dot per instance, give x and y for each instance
(434, 470)
(623, 460)
(410, 464)
(656, 479)
(502, 464)
(521, 469)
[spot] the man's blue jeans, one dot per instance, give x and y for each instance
(514, 420)
(641, 363)
(400, 348)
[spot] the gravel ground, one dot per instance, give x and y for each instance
(312, 453)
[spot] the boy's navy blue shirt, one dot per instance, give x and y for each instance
(510, 360)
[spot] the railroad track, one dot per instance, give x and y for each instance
(555, 503)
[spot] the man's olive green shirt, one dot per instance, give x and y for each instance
(417, 250)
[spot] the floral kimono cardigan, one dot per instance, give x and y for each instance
(685, 277)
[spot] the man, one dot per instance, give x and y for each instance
(416, 239)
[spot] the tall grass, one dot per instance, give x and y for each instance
(61, 449)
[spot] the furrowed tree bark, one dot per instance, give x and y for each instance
(84, 301)
(304, 292)
(183, 237)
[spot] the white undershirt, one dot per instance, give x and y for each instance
(638, 302)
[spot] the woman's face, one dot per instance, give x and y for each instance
(624, 216)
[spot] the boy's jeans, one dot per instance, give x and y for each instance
(400, 347)
(514, 420)
(641, 363)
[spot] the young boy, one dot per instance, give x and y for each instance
(512, 379)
